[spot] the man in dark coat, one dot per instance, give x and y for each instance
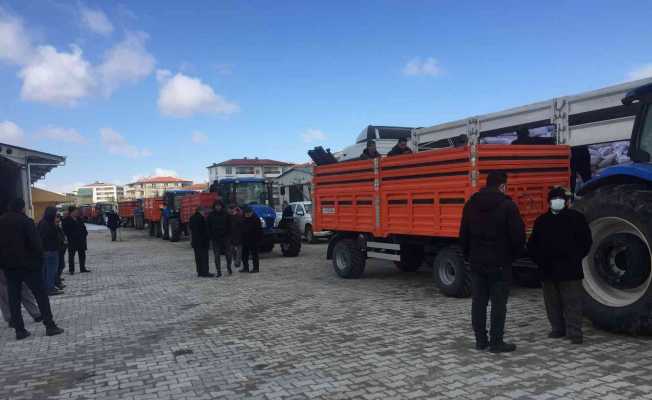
(219, 229)
(75, 230)
(199, 239)
(561, 238)
(252, 234)
(113, 223)
(21, 258)
(492, 235)
(370, 151)
(235, 236)
(400, 148)
(47, 229)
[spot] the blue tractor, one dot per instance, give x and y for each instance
(257, 194)
(618, 205)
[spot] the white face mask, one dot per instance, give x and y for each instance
(557, 205)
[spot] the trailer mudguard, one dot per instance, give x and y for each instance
(620, 174)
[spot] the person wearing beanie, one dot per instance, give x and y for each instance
(219, 230)
(560, 240)
(252, 235)
(400, 148)
(370, 152)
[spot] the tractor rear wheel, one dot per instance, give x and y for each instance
(292, 246)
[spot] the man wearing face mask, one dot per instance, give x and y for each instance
(561, 238)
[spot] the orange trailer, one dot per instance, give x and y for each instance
(407, 207)
(190, 203)
(152, 210)
(127, 211)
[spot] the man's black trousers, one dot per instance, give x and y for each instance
(489, 287)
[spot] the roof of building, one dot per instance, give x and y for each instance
(249, 161)
(40, 162)
(198, 186)
(161, 179)
(306, 168)
(98, 183)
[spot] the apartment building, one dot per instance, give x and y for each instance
(154, 186)
(101, 192)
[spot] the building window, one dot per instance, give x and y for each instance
(272, 170)
(244, 170)
(228, 171)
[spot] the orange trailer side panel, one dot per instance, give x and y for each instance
(423, 194)
(152, 208)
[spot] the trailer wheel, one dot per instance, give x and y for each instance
(150, 225)
(451, 274)
(292, 246)
(348, 259)
(617, 270)
(157, 229)
(310, 235)
(411, 258)
(175, 232)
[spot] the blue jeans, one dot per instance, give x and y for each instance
(50, 268)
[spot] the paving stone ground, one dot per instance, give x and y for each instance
(141, 326)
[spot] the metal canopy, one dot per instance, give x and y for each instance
(39, 163)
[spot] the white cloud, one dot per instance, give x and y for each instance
(422, 67)
(118, 145)
(11, 133)
(96, 21)
(199, 137)
(15, 45)
(183, 96)
(313, 135)
(61, 135)
(640, 72)
(126, 62)
(56, 78)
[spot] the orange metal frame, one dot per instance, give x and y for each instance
(423, 194)
(152, 208)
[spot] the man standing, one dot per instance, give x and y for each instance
(235, 237)
(21, 255)
(113, 223)
(492, 235)
(47, 230)
(400, 148)
(199, 240)
(75, 230)
(560, 240)
(219, 228)
(252, 234)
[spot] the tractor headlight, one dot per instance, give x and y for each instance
(262, 223)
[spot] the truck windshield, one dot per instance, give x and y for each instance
(645, 138)
(243, 193)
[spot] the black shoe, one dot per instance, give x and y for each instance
(206, 275)
(481, 345)
(576, 340)
(72, 272)
(54, 292)
(11, 325)
(556, 335)
(502, 347)
(20, 335)
(38, 319)
(53, 330)
(253, 271)
(244, 270)
(218, 275)
(85, 270)
(229, 270)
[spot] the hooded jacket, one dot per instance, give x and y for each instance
(198, 231)
(112, 220)
(20, 244)
(366, 156)
(558, 244)
(76, 232)
(492, 233)
(47, 230)
(252, 230)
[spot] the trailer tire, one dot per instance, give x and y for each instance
(451, 273)
(348, 259)
(150, 226)
(411, 258)
(617, 271)
(292, 247)
(175, 232)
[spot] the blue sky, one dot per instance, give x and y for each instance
(137, 88)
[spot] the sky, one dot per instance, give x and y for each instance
(140, 88)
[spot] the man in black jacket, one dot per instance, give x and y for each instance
(400, 148)
(370, 151)
(113, 223)
(219, 229)
(561, 238)
(21, 258)
(199, 239)
(492, 235)
(252, 234)
(75, 230)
